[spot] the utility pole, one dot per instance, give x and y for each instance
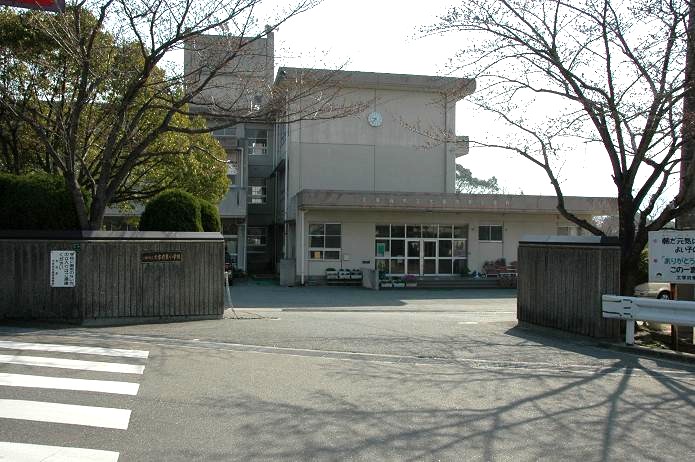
(687, 220)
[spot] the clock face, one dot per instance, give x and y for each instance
(375, 119)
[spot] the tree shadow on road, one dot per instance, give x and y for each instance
(372, 410)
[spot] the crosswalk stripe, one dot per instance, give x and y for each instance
(74, 349)
(62, 363)
(63, 383)
(73, 414)
(19, 452)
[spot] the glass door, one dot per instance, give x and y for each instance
(413, 256)
(429, 256)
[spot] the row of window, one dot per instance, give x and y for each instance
(445, 252)
(421, 231)
(443, 248)
(257, 191)
(256, 239)
(255, 143)
(325, 241)
(485, 232)
(401, 266)
(447, 241)
(421, 249)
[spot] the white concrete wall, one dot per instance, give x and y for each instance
(358, 228)
(402, 154)
(248, 74)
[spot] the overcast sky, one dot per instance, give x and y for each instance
(383, 36)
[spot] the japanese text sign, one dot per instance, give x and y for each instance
(63, 268)
(672, 256)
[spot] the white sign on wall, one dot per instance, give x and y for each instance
(63, 268)
(672, 256)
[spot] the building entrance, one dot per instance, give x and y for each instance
(422, 250)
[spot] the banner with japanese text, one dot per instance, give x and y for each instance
(672, 256)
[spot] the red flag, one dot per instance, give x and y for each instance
(45, 5)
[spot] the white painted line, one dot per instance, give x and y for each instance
(468, 322)
(19, 452)
(85, 350)
(62, 363)
(73, 414)
(62, 383)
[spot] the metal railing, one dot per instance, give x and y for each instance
(647, 309)
(228, 305)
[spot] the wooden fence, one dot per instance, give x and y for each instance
(561, 281)
(121, 277)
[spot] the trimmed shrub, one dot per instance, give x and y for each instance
(172, 210)
(36, 201)
(210, 217)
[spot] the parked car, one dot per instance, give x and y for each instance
(660, 290)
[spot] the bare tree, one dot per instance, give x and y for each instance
(104, 99)
(599, 71)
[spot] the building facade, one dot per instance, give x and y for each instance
(377, 190)
(243, 77)
(373, 187)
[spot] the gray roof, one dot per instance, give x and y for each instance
(447, 202)
(457, 86)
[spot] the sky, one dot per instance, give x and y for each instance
(385, 36)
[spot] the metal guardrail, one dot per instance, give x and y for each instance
(228, 295)
(647, 309)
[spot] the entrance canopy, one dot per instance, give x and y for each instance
(445, 202)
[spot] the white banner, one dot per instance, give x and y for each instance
(63, 268)
(672, 256)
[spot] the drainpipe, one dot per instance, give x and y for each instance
(446, 147)
(287, 168)
(301, 246)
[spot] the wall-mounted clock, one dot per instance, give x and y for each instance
(375, 119)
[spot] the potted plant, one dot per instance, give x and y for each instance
(343, 274)
(356, 274)
(398, 282)
(331, 274)
(410, 280)
(385, 283)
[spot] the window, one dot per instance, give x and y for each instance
(490, 233)
(325, 241)
(569, 231)
(257, 191)
(420, 249)
(233, 167)
(231, 250)
(228, 131)
(256, 239)
(257, 142)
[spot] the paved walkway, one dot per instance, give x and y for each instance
(252, 295)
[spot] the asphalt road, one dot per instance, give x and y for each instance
(442, 384)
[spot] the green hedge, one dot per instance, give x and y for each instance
(172, 210)
(36, 201)
(210, 217)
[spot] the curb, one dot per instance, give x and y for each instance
(644, 351)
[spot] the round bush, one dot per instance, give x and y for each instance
(172, 210)
(36, 201)
(210, 217)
